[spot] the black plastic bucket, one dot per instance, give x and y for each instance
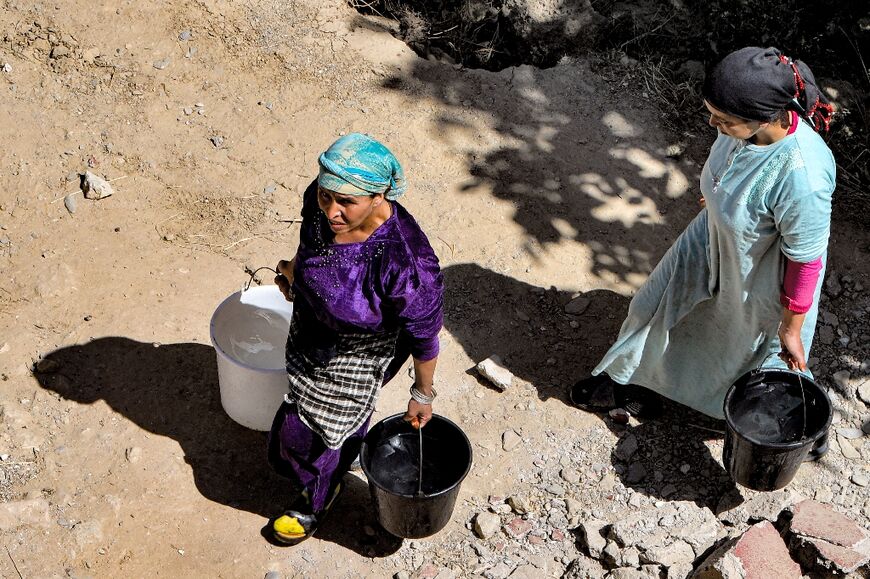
(773, 418)
(390, 460)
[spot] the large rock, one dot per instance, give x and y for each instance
(759, 552)
(697, 527)
(826, 541)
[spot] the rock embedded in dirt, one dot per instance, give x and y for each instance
(95, 187)
(626, 447)
(577, 305)
(493, 370)
(32, 512)
(510, 440)
(863, 391)
(486, 524)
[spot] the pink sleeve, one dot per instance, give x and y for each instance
(799, 285)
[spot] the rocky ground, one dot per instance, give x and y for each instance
(548, 195)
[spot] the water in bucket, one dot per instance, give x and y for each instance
(396, 462)
(772, 411)
(260, 341)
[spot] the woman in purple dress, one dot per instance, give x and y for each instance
(367, 294)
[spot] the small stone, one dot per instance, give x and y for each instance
(519, 504)
(217, 141)
(577, 305)
(570, 475)
(187, 110)
(841, 379)
(573, 506)
(864, 392)
(95, 187)
(510, 440)
(162, 63)
(626, 447)
(270, 188)
(636, 473)
(850, 433)
(6, 67)
(272, 575)
(185, 35)
(847, 449)
(70, 202)
(59, 51)
(518, 527)
(861, 479)
(685, 468)
(88, 318)
(493, 370)
(556, 490)
(486, 524)
(133, 454)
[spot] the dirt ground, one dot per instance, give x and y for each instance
(207, 117)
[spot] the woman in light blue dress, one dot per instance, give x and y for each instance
(740, 286)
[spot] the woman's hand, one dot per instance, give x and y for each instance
(284, 279)
(418, 414)
(790, 338)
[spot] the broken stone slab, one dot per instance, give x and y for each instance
(759, 552)
(95, 187)
(759, 507)
(697, 527)
(493, 370)
(827, 541)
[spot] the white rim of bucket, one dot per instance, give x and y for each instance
(236, 296)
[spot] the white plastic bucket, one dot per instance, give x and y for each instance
(249, 333)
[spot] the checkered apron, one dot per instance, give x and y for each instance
(336, 389)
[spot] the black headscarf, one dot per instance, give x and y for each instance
(757, 83)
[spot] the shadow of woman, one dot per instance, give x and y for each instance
(528, 326)
(172, 390)
(667, 458)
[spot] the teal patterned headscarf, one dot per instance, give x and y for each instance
(359, 165)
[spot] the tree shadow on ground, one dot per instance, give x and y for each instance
(172, 390)
(527, 326)
(580, 157)
(666, 458)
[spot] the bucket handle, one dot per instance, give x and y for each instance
(803, 392)
(248, 283)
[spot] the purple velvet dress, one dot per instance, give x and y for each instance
(387, 288)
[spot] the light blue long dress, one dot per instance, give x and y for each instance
(710, 310)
